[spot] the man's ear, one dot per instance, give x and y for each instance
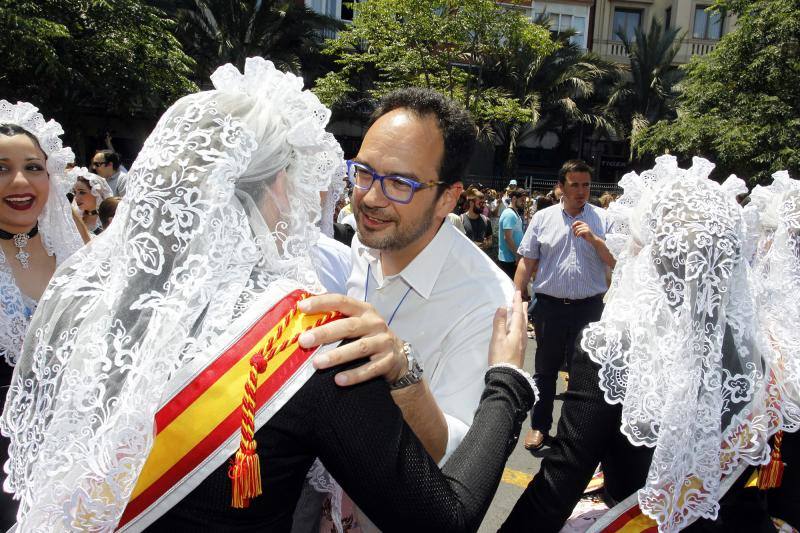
(449, 198)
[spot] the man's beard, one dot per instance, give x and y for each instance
(399, 236)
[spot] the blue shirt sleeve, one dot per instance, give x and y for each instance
(529, 246)
(506, 220)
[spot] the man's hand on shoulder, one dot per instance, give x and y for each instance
(372, 339)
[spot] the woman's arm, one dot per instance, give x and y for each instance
(361, 438)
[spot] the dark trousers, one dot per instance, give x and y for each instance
(509, 267)
(588, 433)
(557, 325)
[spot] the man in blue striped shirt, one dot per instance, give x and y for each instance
(564, 250)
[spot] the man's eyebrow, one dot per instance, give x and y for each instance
(408, 175)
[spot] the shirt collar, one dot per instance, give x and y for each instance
(423, 271)
(579, 215)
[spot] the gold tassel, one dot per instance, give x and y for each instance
(246, 477)
(771, 474)
(245, 472)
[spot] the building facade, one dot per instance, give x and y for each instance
(701, 28)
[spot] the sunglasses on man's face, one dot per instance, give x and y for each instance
(96, 164)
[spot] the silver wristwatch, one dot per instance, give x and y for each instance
(413, 374)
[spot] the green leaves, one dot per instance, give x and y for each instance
(740, 104)
(649, 95)
(119, 57)
(443, 44)
(215, 32)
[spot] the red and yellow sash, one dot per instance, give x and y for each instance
(220, 403)
(627, 516)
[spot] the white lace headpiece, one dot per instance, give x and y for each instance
(222, 205)
(678, 342)
(97, 184)
(776, 269)
(56, 226)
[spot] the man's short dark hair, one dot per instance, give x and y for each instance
(474, 194)
(516, 193)
(458, 129)
(110, 156)
(573, 165)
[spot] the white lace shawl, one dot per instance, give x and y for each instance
(776, 268)
(59, 234)
(678, 342)
(187, 253)
(98, 185)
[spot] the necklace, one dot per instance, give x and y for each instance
(21, 242)
(366, 291)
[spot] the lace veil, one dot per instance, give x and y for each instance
(59, 234)
(776, 268)
(97, 184)
(222, 205)
(678, 343)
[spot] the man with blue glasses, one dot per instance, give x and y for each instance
(421, 296)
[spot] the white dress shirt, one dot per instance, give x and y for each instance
(447, 314)
(332, 262)
(117, 182)
(569, 267)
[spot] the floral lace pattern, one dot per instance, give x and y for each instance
(776, 268)
(678, 342)
(191, 246)
(59, 234)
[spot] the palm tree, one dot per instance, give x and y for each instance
(649, 94)
(561, 89)
(214, 32)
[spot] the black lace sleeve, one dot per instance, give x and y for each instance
(361, 438)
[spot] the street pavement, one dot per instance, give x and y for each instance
(521, 465)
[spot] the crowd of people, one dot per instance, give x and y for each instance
(222, 339)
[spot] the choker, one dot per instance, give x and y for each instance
(21, 242)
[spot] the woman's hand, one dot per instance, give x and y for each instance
(510, 334)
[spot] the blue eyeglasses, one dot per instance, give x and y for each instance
(396, 188)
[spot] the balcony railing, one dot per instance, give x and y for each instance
(615, 50)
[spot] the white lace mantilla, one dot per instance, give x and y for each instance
(59, 234)
(679, 342)
(98, 185)
(222, 203)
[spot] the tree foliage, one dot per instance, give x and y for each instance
(741, 104)
(215, 32)
(441, 44)
(649, 94)
(70, 56)
(564, 90)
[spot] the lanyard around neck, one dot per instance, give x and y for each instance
(366, 291)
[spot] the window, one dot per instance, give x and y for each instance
(707, 24)
(561, 22)
(626, 21)
(347, 9)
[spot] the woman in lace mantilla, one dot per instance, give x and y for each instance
(688, 344)
(38, 232)
(90, 190)
(34, 208)
(222, 207)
